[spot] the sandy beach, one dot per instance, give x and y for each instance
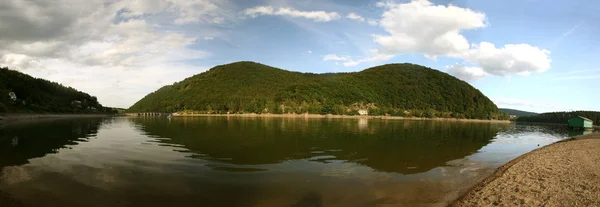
(336, 117)
(565, 173)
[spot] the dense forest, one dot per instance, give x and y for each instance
(21, 93)
(517, 112)
(561, 117)
(393, 89)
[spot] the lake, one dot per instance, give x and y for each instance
(253, 161)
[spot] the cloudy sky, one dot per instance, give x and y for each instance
(526, 54)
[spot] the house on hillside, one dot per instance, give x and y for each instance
(76, 103)
(363, 112)
(12, 96)
(581, 122)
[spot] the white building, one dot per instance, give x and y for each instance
(363, 112)
(12, 96)
(76, 103)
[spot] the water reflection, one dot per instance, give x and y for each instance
(19, 143)
(399, 146)
(574, 133)
(232, 161)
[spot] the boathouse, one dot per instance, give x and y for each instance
(581, 122)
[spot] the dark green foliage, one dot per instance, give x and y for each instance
(255, 88)
(3, 108)
(35, 95)
(561, 117)
(517, 112)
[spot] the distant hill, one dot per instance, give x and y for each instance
(395, 89)
(516, 112)
(21, 93)
(561, 117)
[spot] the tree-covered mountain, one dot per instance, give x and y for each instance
(395, 89)
(517, 112)
(21, 93)
(561, 117)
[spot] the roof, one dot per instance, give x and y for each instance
(585, 118)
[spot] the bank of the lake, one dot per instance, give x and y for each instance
(333, 116)
(565, 173)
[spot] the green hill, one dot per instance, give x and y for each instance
(561, 117)
(35, 95)
(395, 89)
(517, 112)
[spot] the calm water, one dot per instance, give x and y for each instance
(235, 161)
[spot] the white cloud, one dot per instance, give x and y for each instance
(466, 73)
(118, 86)
(85, 44)
(309, 52)
(511, 59)
(334, 57)
(208, 38)
(134, 42)
(18, 61)
(421, 27)
(355, 16)
(317, 16)
(186, 11)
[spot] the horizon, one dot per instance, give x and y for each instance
(120, 51)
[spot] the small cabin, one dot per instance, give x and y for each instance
(581, 122)
(363, 112)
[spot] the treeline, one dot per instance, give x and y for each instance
(517, 112)
(35, 95)
(561, 117)
(394, 89)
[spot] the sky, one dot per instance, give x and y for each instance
(531, 55)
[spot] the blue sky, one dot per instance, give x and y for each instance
(523, 54)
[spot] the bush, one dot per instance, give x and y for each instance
(374, 112)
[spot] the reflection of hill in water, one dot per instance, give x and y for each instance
(19, 143)
(405, 147)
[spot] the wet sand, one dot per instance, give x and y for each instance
(565, 173)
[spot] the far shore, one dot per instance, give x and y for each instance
(19, 118)
(338, 117)
(565, 173)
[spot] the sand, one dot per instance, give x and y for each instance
(561, 174)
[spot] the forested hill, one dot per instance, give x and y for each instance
(21, 93)
(561, 117)
(395, 89)
(517, 112)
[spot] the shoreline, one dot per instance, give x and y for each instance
(527, 180)
(6, 119)
(335, 116)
